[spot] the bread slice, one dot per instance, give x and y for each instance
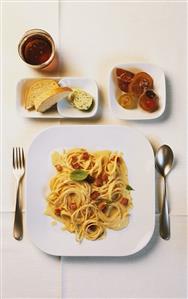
(36, 89)
(46, 100)
(45, 93)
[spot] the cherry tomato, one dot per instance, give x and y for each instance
(148, 101)
(127, 101)
(140, 83)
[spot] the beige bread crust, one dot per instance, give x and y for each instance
(49, 99)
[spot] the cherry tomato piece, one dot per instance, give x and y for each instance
(148, 101)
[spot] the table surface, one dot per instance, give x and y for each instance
(90, 38)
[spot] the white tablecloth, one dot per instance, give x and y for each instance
(92, 37)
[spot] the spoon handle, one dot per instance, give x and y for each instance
(164, 217)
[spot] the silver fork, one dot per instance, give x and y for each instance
(18, 161)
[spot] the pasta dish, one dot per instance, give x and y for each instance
(89, 192)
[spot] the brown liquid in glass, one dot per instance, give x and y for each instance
(36, 50)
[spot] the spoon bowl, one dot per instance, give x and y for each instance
(164, 160)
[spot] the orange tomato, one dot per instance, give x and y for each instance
(127, 101)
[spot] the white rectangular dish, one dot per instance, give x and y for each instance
(66, 110)
(63, 109)
(141, 171)
(137, 114)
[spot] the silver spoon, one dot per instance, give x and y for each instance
(163, 161)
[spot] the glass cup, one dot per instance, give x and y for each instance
(37, 48)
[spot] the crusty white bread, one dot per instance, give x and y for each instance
(46, 100)
(36, 89)
(45, 93)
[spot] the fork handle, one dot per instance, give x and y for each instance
(18, 218)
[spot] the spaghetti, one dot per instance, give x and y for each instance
(89, 193)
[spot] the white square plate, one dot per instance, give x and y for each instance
(66, 110)
(63, 109)
(137, 114)
(141, 172)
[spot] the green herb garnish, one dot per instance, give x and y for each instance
(129, 188)
(78, 175)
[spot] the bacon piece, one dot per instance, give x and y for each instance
(104, 177)
(59, 167)
(124, 201)
(98, 181)
(76, 165)
(94, 195)
(102, 206)
(57, 212)
(85, 156)
(74, 159)
(73, 206)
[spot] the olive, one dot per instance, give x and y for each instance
(150, 94)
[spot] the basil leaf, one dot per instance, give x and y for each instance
(78, 175)
(129, 188)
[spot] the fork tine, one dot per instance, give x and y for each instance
(17, 164)
(13, 157)
(23, 159)
(19, 160)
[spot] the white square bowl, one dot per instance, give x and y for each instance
(66, 110)
(138, 113)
